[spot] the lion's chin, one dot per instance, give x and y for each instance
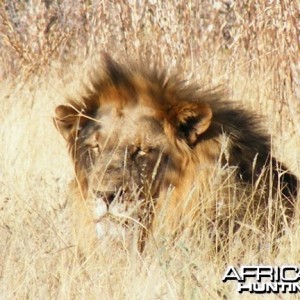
(110, 229)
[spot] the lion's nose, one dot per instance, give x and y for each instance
(109, 196)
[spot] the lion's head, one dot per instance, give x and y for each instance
(135, 135)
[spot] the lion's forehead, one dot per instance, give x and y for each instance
(135, 124)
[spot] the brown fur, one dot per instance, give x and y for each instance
(136, 134)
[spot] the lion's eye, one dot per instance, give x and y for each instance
(137, 152)
(142, 152)
(145, 151)
(95, 147)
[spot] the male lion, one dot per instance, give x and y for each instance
(147, 147)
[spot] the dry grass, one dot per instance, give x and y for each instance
(251, 46)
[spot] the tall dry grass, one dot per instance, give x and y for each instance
(252, 47)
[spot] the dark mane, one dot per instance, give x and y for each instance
(127, 84)
(166, 91)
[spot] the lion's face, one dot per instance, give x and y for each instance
(127, 156)
(124, 154)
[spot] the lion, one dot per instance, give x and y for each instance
(147, 147)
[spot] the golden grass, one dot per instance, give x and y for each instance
(250, 47)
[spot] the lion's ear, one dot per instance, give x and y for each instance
(193, 119)
(65, 120)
